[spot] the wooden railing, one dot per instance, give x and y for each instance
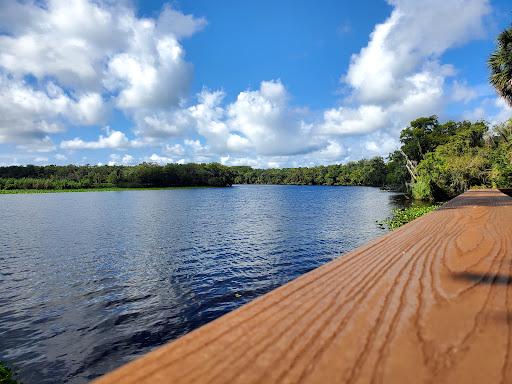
(430, 302)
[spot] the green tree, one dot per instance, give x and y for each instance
(500, 65)
(417, 139)
(397, 176)
(454, 167)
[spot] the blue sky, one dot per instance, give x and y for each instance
(266, 84)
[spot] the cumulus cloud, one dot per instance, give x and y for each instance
(255, 162)
(207, 116)
(195, 145)
(152, 71)
(116, 159)
(29, 115)
(114, 140)
(398, 76)
(333, 152)
(78, 62)
(163, 125)
(67, 40)
(269, 124)
(259, 122)
(461, 92)
(350, 121)
(492, 110)
(162, 160)
(383, 72)
(174, 150)
(82, 58)
(175, 23)
(34, 144)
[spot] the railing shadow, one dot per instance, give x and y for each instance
(484, 278)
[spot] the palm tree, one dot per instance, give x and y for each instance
(500, 65)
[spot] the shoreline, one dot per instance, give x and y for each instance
(27, 191)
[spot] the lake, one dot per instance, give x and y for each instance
(90, 281)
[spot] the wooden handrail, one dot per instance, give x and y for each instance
(428, 302)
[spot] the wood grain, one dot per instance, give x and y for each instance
(430, 302)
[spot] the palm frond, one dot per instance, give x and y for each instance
(500, 65)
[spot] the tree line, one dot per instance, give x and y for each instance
(435, 162)
(362, 173)
(145, 175)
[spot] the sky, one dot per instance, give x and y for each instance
(269, 84)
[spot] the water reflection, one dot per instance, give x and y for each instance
(93, 280)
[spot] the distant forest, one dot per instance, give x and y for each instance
(435, 162)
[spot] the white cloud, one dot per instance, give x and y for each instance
(259, 162)
(461, 92)
(175, 23)
(397, 77)
(64, 39)
(162, 125)
(152, 72)
(154, 82)
(61, 157)
(28, 115)
(407, 41)
(114, 140)
(162, 160)
(207, 117)
(116, 159)
(174, 150)
(381, 143)
(41, 159)
(44, 144)
(503, 113)
(333, 152)
(85, 57)
(270, 125)
(195, 145)
(348, 121)
(492, 109)
(73, 62)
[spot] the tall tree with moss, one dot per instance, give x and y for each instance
(500, 65)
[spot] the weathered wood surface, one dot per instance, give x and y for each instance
(430, 302)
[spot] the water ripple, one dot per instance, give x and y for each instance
(92, 280)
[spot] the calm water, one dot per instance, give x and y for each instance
(90, 281)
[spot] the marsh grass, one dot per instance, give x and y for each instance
(18, 191)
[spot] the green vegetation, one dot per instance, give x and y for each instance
(7, 375)
(406, 215)
(435, 162)
(364, 172)
(20, 191)
(444, 160)
(113, 177)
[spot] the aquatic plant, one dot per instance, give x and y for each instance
(406, 215)
(7, 375)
